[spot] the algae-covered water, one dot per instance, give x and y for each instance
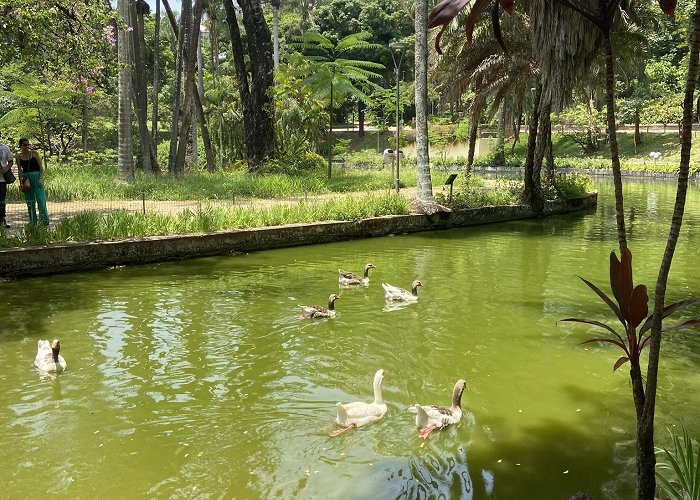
(196, 379)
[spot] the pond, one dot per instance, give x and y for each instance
(196, 379)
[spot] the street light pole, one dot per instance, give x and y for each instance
(401, 47)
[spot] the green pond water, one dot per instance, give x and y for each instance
(196, 379)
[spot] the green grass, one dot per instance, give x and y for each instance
(93, 226)
(568, 154)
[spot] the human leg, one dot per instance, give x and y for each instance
(41, 202)
(30, 196)
(3, 197)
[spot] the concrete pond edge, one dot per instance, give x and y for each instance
(71, 257)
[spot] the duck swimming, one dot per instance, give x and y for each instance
(357, 414)
(429, 418)
(393, 293)
(309, 312)
(347, 278)
(48, 358)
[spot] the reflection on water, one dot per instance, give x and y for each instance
(197, 379)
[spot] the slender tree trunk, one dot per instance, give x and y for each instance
(276, 33)
(549, 154)
(156, 76)
(499, 155)
(84, 125)
(139, 8)
(532, 192)
(646, 459)
(360, 118)
(473, 133)
(541, 143)
(206, 138)
(176, 89)
(424, 191)
(612, 134)
(125, 154)
(190, 48)
(637, 133)
(330, 133)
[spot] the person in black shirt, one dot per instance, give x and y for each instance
(31, 168)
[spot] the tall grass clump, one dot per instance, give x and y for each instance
(473, 192)
(119, 225)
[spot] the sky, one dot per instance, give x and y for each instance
(175, 4)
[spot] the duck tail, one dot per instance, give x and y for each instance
(422, 417)
(342, 414)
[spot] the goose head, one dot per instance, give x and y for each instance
(414, 287)
(368, 267)
(55, 349)
(457, 393)
(331, 301)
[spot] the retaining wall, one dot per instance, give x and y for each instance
(62, 258)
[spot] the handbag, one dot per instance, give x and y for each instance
(26, 186)
(9, 177)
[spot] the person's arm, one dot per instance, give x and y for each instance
(41, 168)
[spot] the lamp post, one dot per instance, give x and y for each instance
(401, 48)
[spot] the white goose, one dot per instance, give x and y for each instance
(351, 415)
(309, 312)
(429, 418)
(47, 357)
(393, 293)
(347, 278)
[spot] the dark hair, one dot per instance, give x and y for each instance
(23, 140)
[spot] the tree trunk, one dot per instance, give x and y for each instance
(275, 33)
(549, 153)
(645, 434)
(424, 191)
(637, 133)
(473, 133)
(499, 155)
(258, 118)
(149, 160)
(612, 134)
(532, 192)
(330, 134)
(206, 138)
(176, 89)
(84, 124)
(541, 143)
(125, 154)
(190, 48)
(156, 77)
(360, 118)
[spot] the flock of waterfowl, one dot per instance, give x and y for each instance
(391, 293)
(357, 414)
(349, 415)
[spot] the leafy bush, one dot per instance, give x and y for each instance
(683, 463)
(573, 185)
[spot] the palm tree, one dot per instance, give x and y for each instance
(125, 154)
(332, 75)
(424, 193)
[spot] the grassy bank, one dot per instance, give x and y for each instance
(95, 226)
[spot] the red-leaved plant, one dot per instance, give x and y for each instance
(631, 310)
